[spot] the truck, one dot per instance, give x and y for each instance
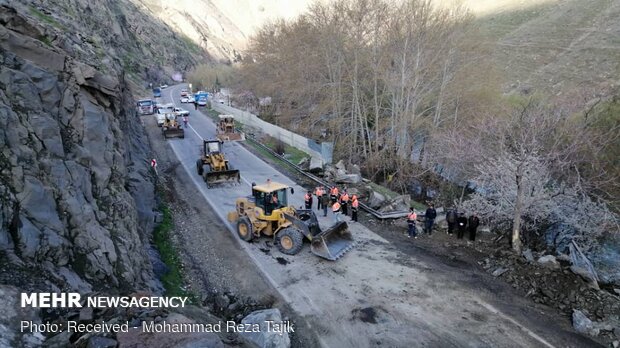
(201, 98)
(145, 107)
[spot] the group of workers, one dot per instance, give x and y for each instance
(338, 201)
(456, 221)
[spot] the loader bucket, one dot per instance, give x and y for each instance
(231, 136)
(332, 243)
(221, 177)
(174, 133)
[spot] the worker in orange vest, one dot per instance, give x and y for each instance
(411, 217)
(344, 202)
(354, 206)
(308, 199)
(318, 193)
(333, 195)
(336, 211)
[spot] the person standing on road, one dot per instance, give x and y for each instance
(451, 220)
(472, 225)
(336, 211)
(411, 218)
(195, 104)
(318, 193)
(344, 202)
(185, 120)
(429, 218)
(333, 195)
(308, 199)
(324, 203)
(461, 222)
(354, 206)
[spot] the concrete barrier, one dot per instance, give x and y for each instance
(323, 151)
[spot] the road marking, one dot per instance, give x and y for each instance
(201, 138)
(532, 334)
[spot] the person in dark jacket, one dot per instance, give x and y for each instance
(472, 225)
(461, 223)
(429, 219)
(325, 203)
(451, 216)
(308, 199)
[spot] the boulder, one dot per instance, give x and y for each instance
(267, 337)
(375, 199)
(315, 165)
(527, 254)
(583, 325)
(303, 164)
(100, 342)
(549, 261)
(606, 260)
(400, 203)
(340, 165)
(498, 272)
(354, 169)
(348, 178)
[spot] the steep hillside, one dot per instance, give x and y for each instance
(76, 195)
(222, 27)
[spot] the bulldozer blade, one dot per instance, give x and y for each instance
(231, 136)
(331, 244)
(174, 133)
(223, 176)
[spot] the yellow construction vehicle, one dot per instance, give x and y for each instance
(266, 212)
(226, 129)
(213, 165)
(171, 127)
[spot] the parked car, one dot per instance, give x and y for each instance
(163, 86)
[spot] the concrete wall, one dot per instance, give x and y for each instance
(321, 151)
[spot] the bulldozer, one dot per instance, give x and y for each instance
(266, 212)
(213, 165)
(171, 128)
(226, 129)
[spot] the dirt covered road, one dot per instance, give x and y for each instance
(376, 295)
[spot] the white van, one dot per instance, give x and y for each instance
(162, 111)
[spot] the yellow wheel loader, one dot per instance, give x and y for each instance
(226, 129)
(266, 212)
(171, 128)
(213, 166)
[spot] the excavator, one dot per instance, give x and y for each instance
(171, 127)
(266, 212)
(226, 129)
(213, 165)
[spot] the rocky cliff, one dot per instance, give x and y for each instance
(76, 194)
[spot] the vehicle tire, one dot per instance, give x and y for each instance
(290, 241)
(244, 229)
(199, 167)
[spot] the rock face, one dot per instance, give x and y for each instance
(267, 337)
(76, 194)
(10, 318)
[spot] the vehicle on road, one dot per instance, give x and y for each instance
(266, 213)
(184, 99)
(156, 92)
(190, 99)
(184, 92)
(162, 110)
(201, 98)
(145, 107)
(213, 165)
(171, 128)
(164, 86)
(181, 112)
(226, 130)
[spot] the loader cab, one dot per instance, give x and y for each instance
(270, 196)
(213, 146)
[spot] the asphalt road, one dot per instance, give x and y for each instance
(374, 295)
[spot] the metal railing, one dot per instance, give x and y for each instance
(316, 179)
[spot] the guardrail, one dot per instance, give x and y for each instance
(375, 213)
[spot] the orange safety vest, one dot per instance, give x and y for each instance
(345, 197)
(318, 192)
(334, 191)
(307, 197)
(336, 207)
(355, 203)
